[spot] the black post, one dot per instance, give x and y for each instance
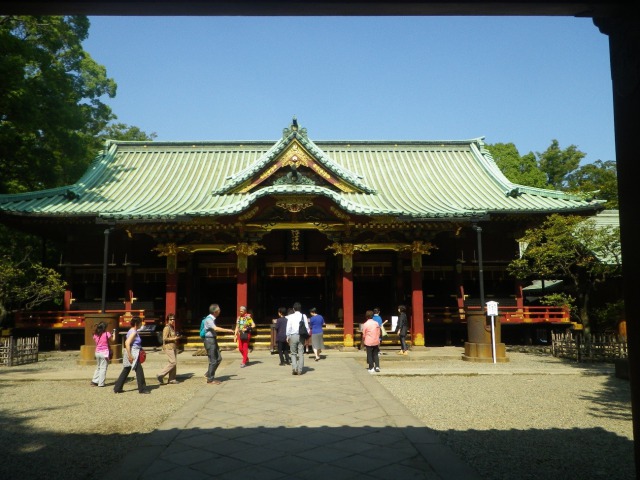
(480, 271)
(104, 270)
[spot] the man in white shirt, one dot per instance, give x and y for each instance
(296, 341)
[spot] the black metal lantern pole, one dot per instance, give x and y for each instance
(480, 270)
(104, 270)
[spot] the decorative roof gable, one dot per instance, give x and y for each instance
(294, 161)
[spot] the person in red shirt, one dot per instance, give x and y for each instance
(371, 339)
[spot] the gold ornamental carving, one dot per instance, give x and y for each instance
(341, 248)
(417, 249)
(250, 214)
(169, 250)
(244, 251)
(296, 156)
(166, 249)
(294, 204)
(346, 250)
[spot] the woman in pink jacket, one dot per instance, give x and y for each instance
(371, 339)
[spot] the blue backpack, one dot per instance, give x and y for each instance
(203, 331)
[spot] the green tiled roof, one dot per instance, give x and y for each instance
(174, 180)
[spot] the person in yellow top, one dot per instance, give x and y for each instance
(170, 347)
(244, 328)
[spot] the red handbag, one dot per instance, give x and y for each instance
(142, 356)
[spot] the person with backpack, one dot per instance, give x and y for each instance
(209, 332)
(297, 333)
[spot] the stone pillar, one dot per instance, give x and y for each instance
(88, 350)
(478, 348)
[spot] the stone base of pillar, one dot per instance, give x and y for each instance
(482, 352)
(88, 354)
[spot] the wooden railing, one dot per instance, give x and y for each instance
(433, 315)
(76, 318)
(507, 315)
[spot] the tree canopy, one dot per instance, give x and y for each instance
(572, 249)
(51, 108)
(558, 169)
(53, 122)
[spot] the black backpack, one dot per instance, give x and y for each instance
(302, 328)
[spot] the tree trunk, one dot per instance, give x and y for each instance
(583, 311)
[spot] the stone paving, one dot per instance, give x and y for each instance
(334, 422)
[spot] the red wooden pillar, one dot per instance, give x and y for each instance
(244, 251)
(171, 291)
(128, 285)
(68, 295)
(418, 248)
(417, 302)
(519, 297)
(346, 250)
(171, 302)
(347, 307)
(241, 290)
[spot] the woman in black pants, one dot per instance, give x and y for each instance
(132, 345)
(403, 327)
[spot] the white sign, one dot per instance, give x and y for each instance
(492, 309)
(394, 323)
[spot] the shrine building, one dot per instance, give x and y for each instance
(343, 226)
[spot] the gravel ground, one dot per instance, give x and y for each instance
(541, 426)
(65, 429)
(510, 426)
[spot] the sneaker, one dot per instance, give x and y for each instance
(242, 365)
(160, 379)
(371, 370)
(377, 369)
(294, 372)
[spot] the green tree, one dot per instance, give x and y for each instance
(25, 284)
(572, 249)
(122, 131)
(523, 170)
(51, 108)
(557, 164)
(597, 176)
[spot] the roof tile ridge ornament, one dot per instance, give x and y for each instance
(294, 129)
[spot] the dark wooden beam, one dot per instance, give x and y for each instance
(312, 8)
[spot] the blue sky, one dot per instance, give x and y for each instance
(526, 80)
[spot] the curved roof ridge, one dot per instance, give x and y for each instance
(289, 135)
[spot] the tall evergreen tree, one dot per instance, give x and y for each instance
(51, 108)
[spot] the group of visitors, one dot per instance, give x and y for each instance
(293, 329)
